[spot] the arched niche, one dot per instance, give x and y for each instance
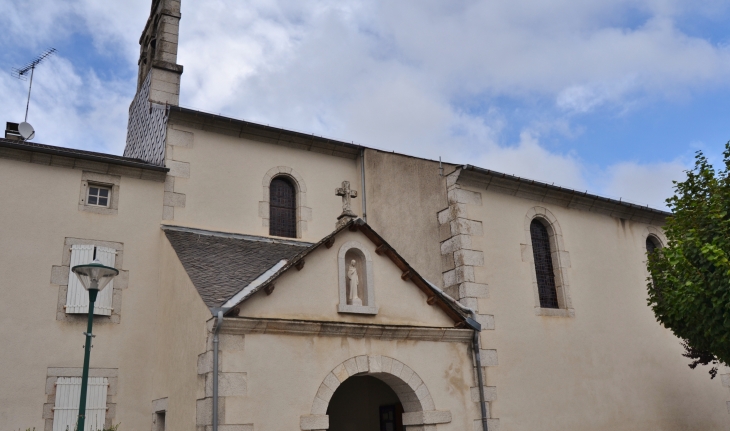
(355, 258)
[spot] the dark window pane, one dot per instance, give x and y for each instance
(104, 192)
(92, 200)
(543, 265)
(282, 208)
(102, 201)
(651, 244)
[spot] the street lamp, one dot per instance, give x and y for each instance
(94, 276)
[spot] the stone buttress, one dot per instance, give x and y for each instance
(459, 257)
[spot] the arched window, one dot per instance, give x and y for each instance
(543, 265)
(282, 208)
(652, 243)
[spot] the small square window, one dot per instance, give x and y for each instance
(99, 193)
(98, 196)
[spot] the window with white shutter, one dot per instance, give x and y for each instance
(68, 395)
(103, 303)
(77, 298)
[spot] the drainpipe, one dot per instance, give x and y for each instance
(473, 323)
(218, 326)
(480, 378)
(362, 180)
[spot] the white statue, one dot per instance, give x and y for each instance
(354, 282)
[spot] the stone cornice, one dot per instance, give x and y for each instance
(77, 159)
(480, 178)
(248, 325)
(260, 132)
(166, 65)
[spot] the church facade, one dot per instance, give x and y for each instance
(274, 280)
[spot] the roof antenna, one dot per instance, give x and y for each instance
(441, 168)
(25, 129)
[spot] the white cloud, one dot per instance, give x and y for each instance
(644, 183)
(530, 160)
(584, 98)
(399, 75)
(37, 24)
(69, 107)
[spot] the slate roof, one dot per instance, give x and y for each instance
(220, 265)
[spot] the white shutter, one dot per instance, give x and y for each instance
(103, 304)
(77, 298)
(95, 403)
(66, 409)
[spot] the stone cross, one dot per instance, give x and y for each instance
(346, 194)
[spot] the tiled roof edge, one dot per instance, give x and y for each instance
(205, 232)
(81, 154)
(516, 179)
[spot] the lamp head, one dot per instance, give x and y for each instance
(95, 275)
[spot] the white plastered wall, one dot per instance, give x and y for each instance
(218, 183)
(181, 332)
(313, 292)
(612, 366)
(285, 372)
(39, 211)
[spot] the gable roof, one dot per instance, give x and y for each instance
(227, 269)
(220, 264)
(434, 294)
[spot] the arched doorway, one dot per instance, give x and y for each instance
(399, 380)
(364, 403)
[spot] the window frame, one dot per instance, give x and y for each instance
(657, 234)
(54, 373)
(94, 179)
(104, 302)
(546, 283)
(303, 212)
(560, 261)
(159, 414)
(99, 187)
(60, 276)
(655, 241)
(272, 224)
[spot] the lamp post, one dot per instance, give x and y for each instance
(94, 276)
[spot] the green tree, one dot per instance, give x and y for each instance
(689, 286)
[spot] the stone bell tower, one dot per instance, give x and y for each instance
(158, 83)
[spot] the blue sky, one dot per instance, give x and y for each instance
(609, 96)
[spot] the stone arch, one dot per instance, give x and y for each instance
(368, 306)
(560, 258)
(304, 213)
(419, 408)
(657, 233)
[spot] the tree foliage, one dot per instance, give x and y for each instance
(689, 287)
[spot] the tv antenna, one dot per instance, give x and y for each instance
(22, 74)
